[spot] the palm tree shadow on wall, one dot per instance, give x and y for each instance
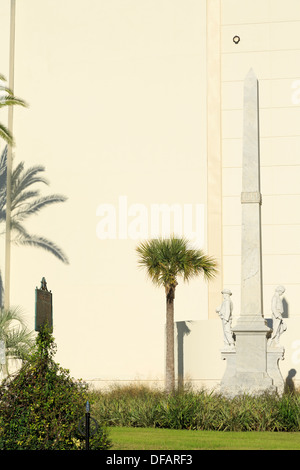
(182, 331)
(26, 201)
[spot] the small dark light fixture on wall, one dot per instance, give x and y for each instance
(236, 39)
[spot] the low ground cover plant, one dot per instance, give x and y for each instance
(139, 406)
(41, 406)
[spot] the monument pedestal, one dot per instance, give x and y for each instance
(228, 355)
(274, 355)
(252, 366)
(251, 374)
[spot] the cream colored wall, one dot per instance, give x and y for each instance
(270, 44)
(117, 106)
(214, 149)
(203, 366)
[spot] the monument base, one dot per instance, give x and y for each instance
(274, 355)
(252, 382)
(249, 383)
(228, 355)
(252, 368)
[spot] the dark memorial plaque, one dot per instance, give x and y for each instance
(43, 307)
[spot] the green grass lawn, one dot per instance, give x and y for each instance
(172, 439)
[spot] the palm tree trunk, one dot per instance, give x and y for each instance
(170, 367)
(9, 158)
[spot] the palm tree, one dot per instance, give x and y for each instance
(15, 336)
(25, 202)
(165, 261)
(7, 98)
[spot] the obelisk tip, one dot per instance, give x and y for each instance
(251, 75)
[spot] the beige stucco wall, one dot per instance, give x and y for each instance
(117, 107)
(137, 98)
(270, 44)
(201, 363)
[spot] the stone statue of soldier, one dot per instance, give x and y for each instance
(225, 313)
(277, 310)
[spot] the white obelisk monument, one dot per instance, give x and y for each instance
(251, 374)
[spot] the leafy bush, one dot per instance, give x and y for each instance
(100, 440)
(140, 406)
(41, 405)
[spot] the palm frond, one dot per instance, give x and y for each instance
(6, 135)
(22, 198)
(3, 164)
(167, 259)
(10, 100)
(44, 243)
(3, 176)
(5, 88)
(13, 330)
(22, 180)
(29, 177)
(35, 206)
(8, 316)
(2, 212)
(26, 202)
(2, 200)
(16, 226)
(17, 172)
(19, 342)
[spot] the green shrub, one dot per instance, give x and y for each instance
(40, 406)
(100, 440)
(188, 409)
(288, 412)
